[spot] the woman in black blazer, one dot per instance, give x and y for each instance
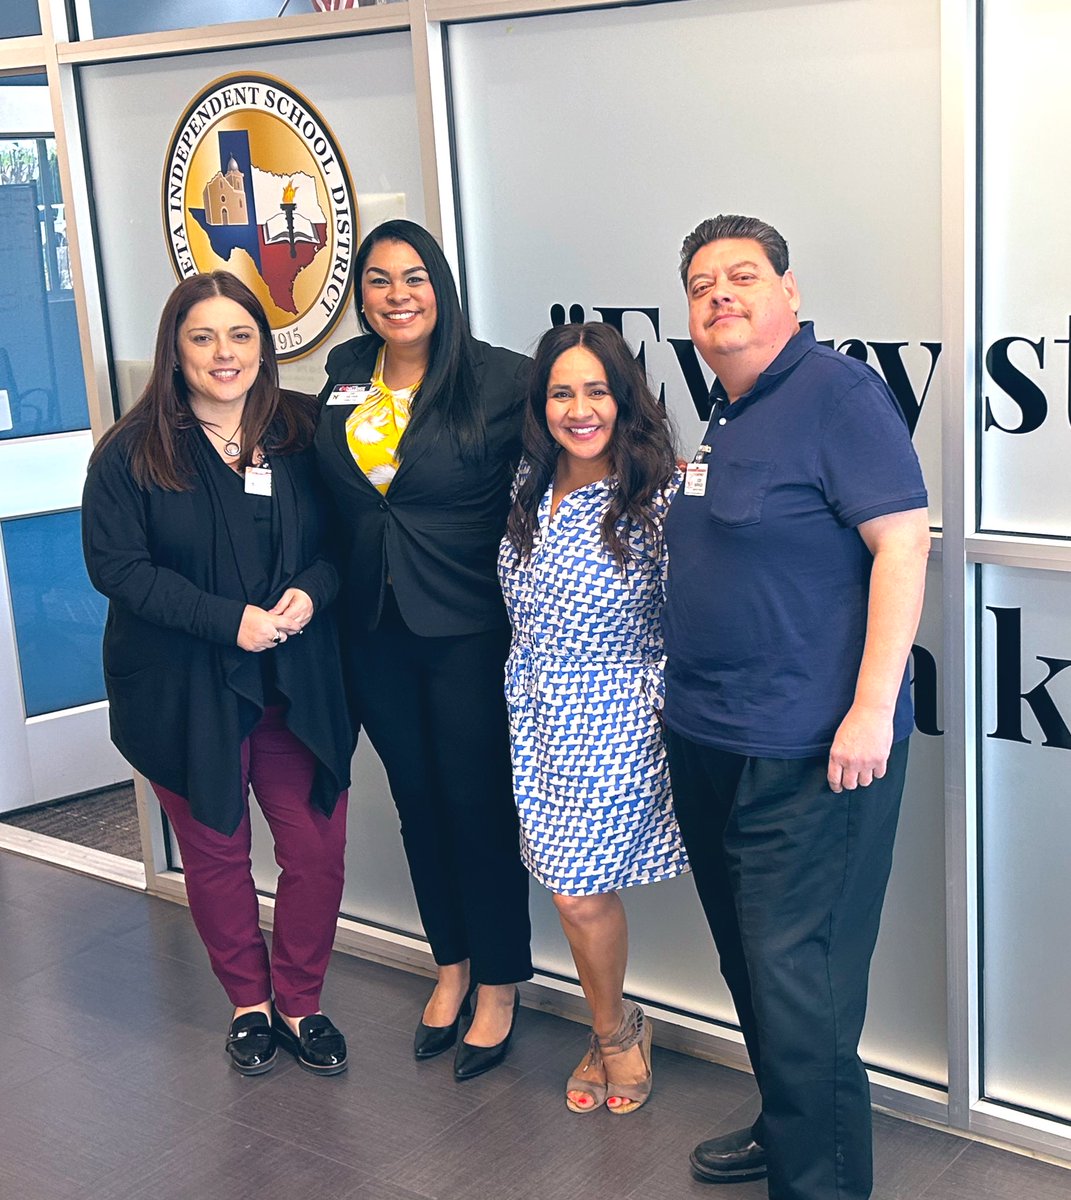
(417, 439)
(204, 527)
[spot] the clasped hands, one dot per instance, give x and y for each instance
(263, 629)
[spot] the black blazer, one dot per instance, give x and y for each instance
(435, 534)
(182, 694)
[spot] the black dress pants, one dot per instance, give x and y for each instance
(792, 877)
(434, 709)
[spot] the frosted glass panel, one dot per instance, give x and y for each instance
(1026, 832)
(1026, 438)
(362, 87)
(580, 175)
(907, 1021)
(581, 172)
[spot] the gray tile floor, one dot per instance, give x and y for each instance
(114, 1086)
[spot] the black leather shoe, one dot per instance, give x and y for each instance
(732, 1158)
(318, 1047)
(471, 1061)
(251, 1044)
(430, 1040)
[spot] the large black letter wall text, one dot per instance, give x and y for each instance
(924, 691)
(1008, 686)
(886, 357)
(1024, 392)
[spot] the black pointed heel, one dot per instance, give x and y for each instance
(471, 1061)
(432, 1040)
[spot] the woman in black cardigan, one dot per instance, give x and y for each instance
(417, 439)
(203, 525)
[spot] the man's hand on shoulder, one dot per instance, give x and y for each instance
(860, 749)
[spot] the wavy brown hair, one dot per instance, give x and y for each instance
(155, 429)
(642, 459)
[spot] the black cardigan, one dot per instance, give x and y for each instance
(182, 694)
(436, 531)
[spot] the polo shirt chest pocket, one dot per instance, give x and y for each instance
(738, 490)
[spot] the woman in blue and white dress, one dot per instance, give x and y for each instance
(582, 569)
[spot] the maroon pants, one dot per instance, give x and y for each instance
(309, 849)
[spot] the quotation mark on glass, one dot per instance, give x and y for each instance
(576, 314)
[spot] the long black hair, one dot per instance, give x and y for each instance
(449, 384)
(154, 426)
(642, 459)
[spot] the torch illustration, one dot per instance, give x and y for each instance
(288, 207)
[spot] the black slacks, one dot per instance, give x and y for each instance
(434, 709)
(792, 877)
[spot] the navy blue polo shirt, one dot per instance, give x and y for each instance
(766, 602)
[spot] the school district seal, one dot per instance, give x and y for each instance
(255, 184)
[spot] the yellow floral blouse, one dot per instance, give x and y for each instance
(375, 427)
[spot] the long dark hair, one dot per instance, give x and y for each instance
(449, 385)
(155, 428)
(642, 460)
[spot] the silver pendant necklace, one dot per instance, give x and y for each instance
(231, 448)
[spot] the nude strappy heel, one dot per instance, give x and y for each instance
(636, 1029)
(582, 1080)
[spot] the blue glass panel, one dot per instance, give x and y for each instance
(59, 618)
(42, 387)
(18, 18)
(116, 18)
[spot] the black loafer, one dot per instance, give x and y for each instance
(318, 1046)
(430, 1040)
(251, 1044)
(471, 1061)
(732, 1158)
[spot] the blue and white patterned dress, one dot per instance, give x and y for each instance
(583, 681)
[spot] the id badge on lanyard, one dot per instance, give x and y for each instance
(349, 394)
(258, 481)
(695, 474)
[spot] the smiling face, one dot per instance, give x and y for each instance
(397, 296)
(738, 306)
(581, 411)
(218, 348)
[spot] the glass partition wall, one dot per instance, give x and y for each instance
(562, 193)
(1024, 543)
(590, 216)
(53, 720)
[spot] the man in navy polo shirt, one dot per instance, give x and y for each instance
(797, 551)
